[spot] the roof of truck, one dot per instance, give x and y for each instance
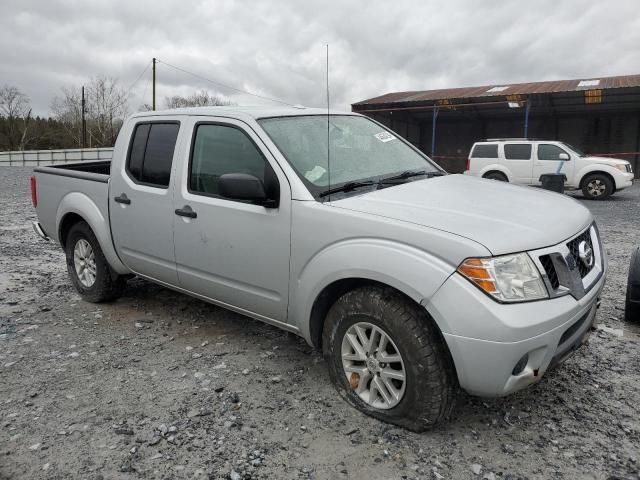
(243, 113)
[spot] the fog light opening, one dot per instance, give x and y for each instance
(519, 367)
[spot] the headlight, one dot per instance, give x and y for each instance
(509, 278)
(625, 167)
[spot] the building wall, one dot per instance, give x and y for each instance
(456, 132)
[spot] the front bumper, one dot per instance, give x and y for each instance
(500, 348)
(625, 181)
(486, 367)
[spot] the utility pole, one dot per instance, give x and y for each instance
(84, 121)
(153, 102)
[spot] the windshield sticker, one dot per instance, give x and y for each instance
(384, 137)
(315, 173)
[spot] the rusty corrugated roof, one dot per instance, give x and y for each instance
(555, 86)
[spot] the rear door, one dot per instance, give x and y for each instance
(517, 158)
(141, 200)
(232, 252)
(482, 155)
(547, 161)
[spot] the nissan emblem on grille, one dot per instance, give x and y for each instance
(585, 253)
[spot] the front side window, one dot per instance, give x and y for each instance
(360, 150)
(549, 152)
(517, 151)
(221, 149)
(151, 153)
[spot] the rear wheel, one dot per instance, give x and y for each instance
(496, 176)
(90, 273)
(387, 358)
(597, 186)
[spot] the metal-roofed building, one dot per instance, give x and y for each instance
(599, 115)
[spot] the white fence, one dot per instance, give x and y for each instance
(29, 158)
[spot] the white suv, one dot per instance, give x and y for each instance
(522, 161)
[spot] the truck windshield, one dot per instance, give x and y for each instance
(360, 151)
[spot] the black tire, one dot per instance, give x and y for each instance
(107, 285)
(597, 186)
(501, 177)
(632, 303)
(431, 383)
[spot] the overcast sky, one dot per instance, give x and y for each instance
(276, 48)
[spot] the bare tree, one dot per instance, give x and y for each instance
(16, 110)
(67, 109)
(105, 109)
(200, 98)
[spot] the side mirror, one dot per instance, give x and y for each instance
(242, 186)
(563, 156)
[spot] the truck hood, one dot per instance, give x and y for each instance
(503, 218)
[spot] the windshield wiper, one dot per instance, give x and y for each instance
(347, 187)
(411, 173)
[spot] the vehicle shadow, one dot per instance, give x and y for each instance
(470, 413)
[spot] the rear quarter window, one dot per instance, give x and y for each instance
(517, 151)
(151, 153)
(486, 150)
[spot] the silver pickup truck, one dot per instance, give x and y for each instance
(412, 282)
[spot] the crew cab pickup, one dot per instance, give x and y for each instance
(413, 282)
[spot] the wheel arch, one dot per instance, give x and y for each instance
(496, 169)
(350, 263)
(597, 171)
(336, 289)
(76, 207)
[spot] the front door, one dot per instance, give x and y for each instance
(141, 200)
(547, 160)
(230, 251)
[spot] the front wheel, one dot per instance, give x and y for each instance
(387, 358)
(597, 187)
(90, 273)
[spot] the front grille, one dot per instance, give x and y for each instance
(573, 246)
(550, 270)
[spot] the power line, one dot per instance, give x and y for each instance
(146, 88)
(139, 77)
(223, 84)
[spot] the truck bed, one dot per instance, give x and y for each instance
(85, 182)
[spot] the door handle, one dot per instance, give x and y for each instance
(123, 199)
(186, 211)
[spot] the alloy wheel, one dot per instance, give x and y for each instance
(373, 365)
(84, 262)
(596, 187)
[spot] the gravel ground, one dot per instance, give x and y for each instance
(160, 385)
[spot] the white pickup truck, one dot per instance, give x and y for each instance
(412, 282)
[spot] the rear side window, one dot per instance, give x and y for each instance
(517, 151)
(487, 150)
(549, 152)
(151, 153)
